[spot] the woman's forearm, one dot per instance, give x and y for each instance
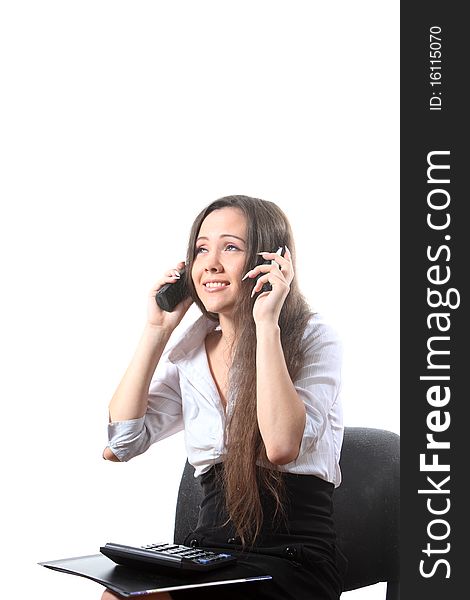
(281, 413)
(130, 398)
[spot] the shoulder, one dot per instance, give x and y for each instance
(319, 332)
(321, 345)
(322, 358)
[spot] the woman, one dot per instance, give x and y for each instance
(255, 385)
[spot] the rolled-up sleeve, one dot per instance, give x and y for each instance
(319, 384)
(162, 419)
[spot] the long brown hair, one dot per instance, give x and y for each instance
(267, 230)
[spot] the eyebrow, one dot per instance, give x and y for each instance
(230, 235)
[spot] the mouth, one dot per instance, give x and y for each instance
(213, 286)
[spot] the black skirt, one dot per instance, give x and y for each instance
(299, 552)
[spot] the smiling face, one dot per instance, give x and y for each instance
(220, 259)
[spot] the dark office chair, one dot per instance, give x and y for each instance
(366, 507)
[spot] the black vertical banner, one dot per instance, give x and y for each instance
(435, 358)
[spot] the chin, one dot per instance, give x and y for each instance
(218, 308)
(216, 303)
(214, 307)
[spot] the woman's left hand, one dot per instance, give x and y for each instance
(279, 274)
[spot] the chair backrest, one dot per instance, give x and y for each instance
(366, 507)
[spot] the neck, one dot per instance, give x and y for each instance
(228, 329)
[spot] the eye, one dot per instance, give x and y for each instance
(231, 247)
(201, 249)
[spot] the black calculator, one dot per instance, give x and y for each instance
(173, 556)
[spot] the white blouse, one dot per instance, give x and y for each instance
(183, 396)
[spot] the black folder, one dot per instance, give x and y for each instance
(131, 582)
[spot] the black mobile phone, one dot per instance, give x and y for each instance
(172, 294)
(267, 287)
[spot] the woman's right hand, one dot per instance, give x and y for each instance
(158, 317)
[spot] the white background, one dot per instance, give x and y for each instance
(119, 122)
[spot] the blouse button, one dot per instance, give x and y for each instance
(291, 551)
(231, 541)
(194, 543)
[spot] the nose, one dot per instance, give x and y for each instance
(212, 263)
(214, 268)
